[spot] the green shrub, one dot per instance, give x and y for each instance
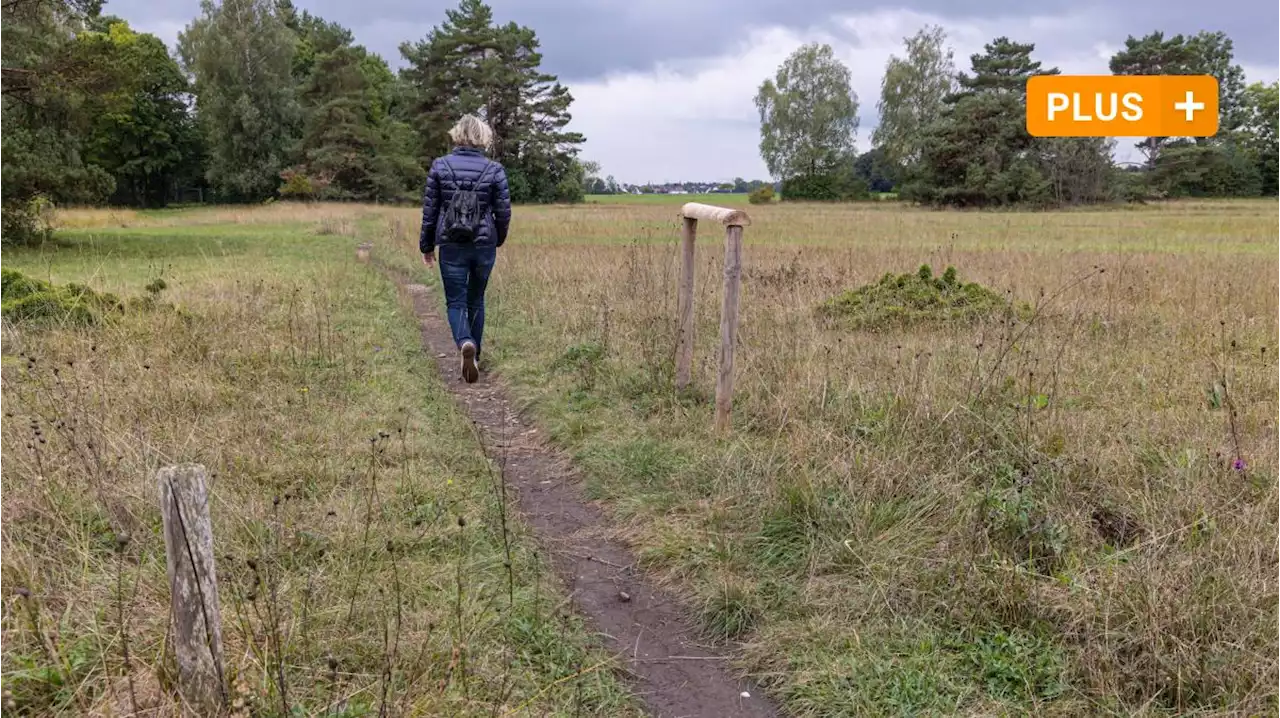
(907, 299)
(296, 185)
(26, 221)
(836, 186)
(761, 195)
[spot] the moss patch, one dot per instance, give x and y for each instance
(908, 299)
(30, 300)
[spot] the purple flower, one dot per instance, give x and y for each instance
(1238, 464)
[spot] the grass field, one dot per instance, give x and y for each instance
(717, 198)
(730, 199)
(364, 560)
(1067, 511)
(1032, 518)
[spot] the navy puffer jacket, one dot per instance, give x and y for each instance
(468, 167)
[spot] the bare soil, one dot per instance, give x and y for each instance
(672, 668)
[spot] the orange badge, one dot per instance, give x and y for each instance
(1122, 106)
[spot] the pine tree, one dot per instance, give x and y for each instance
(980, 154)
(470, 65)
(1004, 67)
(351, 148)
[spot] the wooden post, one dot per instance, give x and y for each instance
(684, 349)
(193, 586)
(728, 324)
(733, 220)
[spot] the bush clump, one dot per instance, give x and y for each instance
(761, 195)
(908, 299)
(30, 300)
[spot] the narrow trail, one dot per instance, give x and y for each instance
(672, 671)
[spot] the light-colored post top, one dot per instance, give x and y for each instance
(722, 215)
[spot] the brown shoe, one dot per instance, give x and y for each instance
(470, 372)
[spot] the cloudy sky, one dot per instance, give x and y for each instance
(663, 88)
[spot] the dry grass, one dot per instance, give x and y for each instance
(326, 214)
(1042, 516)
(365, 565)
(1039, 517)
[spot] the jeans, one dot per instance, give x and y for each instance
(464, 270)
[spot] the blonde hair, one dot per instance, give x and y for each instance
(471, 131)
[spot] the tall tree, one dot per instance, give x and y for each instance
(352, 148)
(240, 54)
(808, 115)
(1003, 69)
(593, 182)
(913, 94)
(470, 65)
(979, 152)
(1213, 53)
(1206, 53)
(51, 79)
(1261, 134)
(143, 134)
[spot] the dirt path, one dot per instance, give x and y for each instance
(674, 673)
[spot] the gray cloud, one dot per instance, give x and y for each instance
(663, 91)
(584, 39)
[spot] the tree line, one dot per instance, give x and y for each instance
(261, 100)
(958, 138)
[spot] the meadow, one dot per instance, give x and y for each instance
(723, 199)
(1036, 515)
(1065, 510)
(366, 559)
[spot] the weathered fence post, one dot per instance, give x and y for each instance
(733, 220)
(193, 586)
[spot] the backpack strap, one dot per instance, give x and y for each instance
(445, 161)
(488, 164)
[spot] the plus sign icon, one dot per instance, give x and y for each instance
(1122, 106)
(1189, 106)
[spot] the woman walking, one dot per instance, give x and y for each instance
(466, 212)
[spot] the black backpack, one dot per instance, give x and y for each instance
(462, 216)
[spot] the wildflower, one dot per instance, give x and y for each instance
(1238, 464)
